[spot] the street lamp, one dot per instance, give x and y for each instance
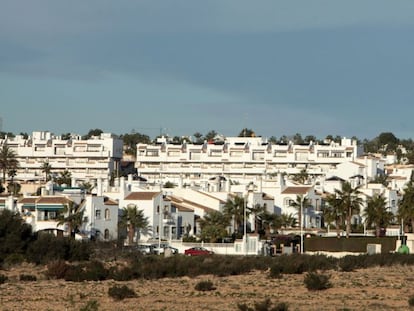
(301, 224)
(159, 216)
(249, 189)
(245, 224)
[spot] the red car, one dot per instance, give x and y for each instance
(197, 251)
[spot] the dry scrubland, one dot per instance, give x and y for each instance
(385, 288)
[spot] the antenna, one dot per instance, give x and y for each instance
(1, 124)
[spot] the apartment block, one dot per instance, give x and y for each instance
(242, 159)
(86, 159)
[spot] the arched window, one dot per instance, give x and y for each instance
(106, 234)
(107, 214)
(288, 202)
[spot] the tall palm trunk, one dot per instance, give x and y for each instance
(348, 223)
(131, 234)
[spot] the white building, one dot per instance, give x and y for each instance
(100, 218)
(241, 159)
(86, 160)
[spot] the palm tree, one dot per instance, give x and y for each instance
(133, 220)
(271, 222)
(72, 216)
(288, 220)
(258, 212)
(235, 210)
(213, 226)
(8, 161)
(300, 203)
(377, 214)
(87, 187)
(406, 206)
(46, 168)
(332, 212)
(64, 178)
(301, 177)
(350, 202)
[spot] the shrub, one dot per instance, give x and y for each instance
(3, 278)
(205, 286)
(411, 301)
(48, 247)
(317, 281)
(91, 305)
(265, 305)
(13, 259)
(121, 292)
(27, 278)
(276, 271)
(57, 269)
(89, 271)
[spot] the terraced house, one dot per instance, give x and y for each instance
(240, 159)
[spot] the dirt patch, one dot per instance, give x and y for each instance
(368, 289)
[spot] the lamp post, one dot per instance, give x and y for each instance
(248, 188)
(301, 224)
(159, 216)
(245, 224)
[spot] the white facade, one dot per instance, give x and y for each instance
(237, 158)
(86, 160)
(101, 218)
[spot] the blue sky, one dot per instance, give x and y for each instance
(314, 67)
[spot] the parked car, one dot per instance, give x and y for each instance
(172, 249)
(197, 251)
(160, 250)
(145, 249)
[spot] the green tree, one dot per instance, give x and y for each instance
(300, 204)
(258, 212)
(72, 216)
(64, 178)
(198, 138)
(131, 140)
(87, 187)
(15, 234)
(381, 179)
(350, 203)
(301, 177)
(288, 220)
(213, 226)
(272, 140)
(297, 139)
(92, 132)
(271, 223)
(377, 214)
(387, 141)
(13, 187)
(210, 135)
(46, 168)
(406, 207)
(234, 208)
(332, 212)
(8, 161)
(134, 220)
(310, 138)
(247, 133)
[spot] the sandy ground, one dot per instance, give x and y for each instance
(369, 289)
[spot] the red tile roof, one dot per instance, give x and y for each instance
(296, 190)
(142, 195)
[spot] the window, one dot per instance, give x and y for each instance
(288, 202)
(107, 214)
(216, 153)
(106, 234)
(98, 214)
